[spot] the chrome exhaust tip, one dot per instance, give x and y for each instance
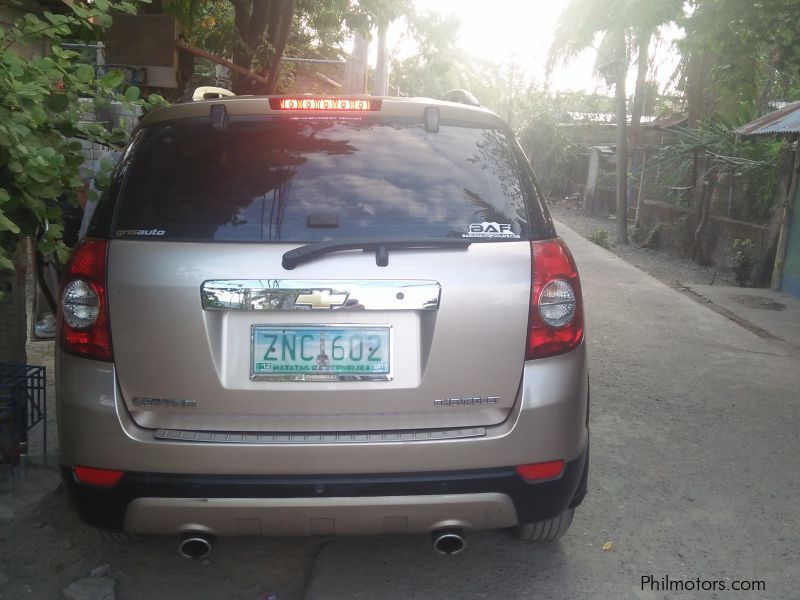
(195, 546)
(448, 541)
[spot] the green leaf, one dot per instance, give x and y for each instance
(39, 176)
(156, 100)
(85, 73)
(56, 19)
(4, 196)
(132, 93)
(112, 79)
(118, 137)
(46, 247)
(101, 102)
(31, 23)
(57, 102)
(103, 20)
(79, 10)
(5, 262)
(7, 224)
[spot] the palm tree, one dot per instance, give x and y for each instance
(618, 21)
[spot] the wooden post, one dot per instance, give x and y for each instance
(640, 194)
(590, 193)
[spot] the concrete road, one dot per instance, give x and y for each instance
(694, 468)
(694, 475)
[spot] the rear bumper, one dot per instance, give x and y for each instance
(548, 422)
(157, 503)
(303, 487)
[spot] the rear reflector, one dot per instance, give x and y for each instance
(334, 104)
(555, 320)
(83, 319)
(98, 477)
(540, 471)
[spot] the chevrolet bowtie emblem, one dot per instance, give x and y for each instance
(321, 299)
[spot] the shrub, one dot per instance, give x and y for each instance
(743, 259)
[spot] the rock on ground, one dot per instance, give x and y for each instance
(90, 588)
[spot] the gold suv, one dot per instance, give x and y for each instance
(313, 315)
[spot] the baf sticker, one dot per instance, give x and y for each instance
(490, 230)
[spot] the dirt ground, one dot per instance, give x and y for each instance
(673, 270)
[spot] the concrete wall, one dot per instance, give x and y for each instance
(721, 231)
(115, 115)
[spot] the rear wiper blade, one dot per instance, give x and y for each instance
(309, 252)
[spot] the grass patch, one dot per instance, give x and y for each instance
(600, 237)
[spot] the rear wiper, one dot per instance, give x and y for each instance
(309, 252)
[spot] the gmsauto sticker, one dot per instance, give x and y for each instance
(126, 232)
(490, 230)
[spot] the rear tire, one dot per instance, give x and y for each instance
(545, 531)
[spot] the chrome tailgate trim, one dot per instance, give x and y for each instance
(216, 437)
(304, 294)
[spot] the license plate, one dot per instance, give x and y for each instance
(320, 353)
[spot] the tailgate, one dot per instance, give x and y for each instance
(193, 325)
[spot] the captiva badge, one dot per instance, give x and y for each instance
(490, 230)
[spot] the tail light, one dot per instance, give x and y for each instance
(555, 322)
(84, 323)
(98, 477)
(540, 471)
(336, 104)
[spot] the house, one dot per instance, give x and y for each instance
(785, 123)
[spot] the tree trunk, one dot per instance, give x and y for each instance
(242, 53)
(381, 82)
(701, 97)
(638, 103)
(642, 62)
(260, 16)
(622, 138)
(278, 34)
(702, 194)
(251, 19)
(13, 317)
(355, 73)
(703, 213)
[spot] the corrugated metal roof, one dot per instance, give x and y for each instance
(784, 120)
(668, 120)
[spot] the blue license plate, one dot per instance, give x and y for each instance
(321, 353)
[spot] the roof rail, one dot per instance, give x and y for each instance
(462, 97)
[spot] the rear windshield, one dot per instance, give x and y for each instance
(306, 179)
